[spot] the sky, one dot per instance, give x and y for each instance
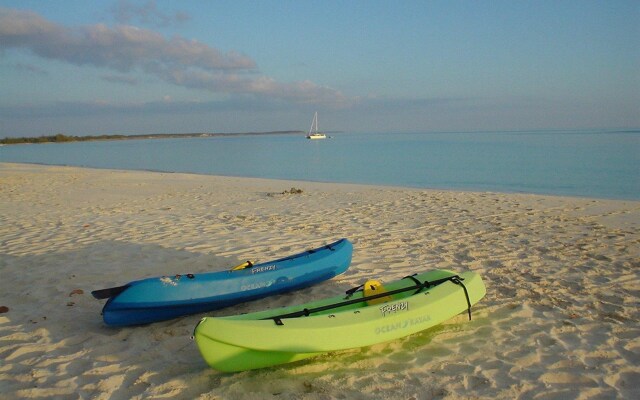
(152, 66)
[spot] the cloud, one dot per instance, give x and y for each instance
(34, 69)
(165, 106)
(126, 12)
(124, 48)
(406, 104)
(120, 79)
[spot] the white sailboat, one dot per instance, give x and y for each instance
(313, 131)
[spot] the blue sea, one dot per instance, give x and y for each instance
(598, 164)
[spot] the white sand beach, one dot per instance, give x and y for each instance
(561, 319)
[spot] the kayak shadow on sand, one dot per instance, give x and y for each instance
(54, 330)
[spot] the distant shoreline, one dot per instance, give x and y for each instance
(61, 138)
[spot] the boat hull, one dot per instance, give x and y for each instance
(160, 298)
(256, 340)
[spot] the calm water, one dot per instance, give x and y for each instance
(592, 164)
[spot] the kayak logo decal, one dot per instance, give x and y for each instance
(263, 269)
(406, 324)
(166, 281)
(394, 308)
(257, 285)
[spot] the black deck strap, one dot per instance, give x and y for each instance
(458, 281)
(351, 291)
(306, 312)
(413, 278)
(418, 283)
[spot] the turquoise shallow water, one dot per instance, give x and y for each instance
(600, 164)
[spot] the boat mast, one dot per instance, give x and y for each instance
(311, 127)
(314, 122)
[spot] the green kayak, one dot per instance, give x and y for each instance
(363, 317)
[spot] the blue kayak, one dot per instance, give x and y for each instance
(160, 298)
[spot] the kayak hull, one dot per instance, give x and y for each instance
(161, 298)
(257, 340)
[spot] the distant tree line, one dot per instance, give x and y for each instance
(59, 138)
(62, 138)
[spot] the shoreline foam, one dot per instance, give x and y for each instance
(560, 320)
